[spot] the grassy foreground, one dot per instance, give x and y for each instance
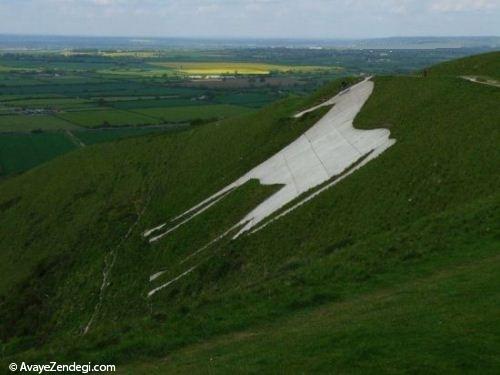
(393, 270)
(362, 334)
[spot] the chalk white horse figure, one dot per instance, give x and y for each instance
(330, 148)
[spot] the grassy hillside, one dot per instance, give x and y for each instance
(59, 220)
(487, 65)
(392, 270)
(20, 152)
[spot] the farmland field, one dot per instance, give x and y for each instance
(22, 151)
(21, 123)
(220, 68)
(34, 148)
(155, 103)
(49, 109)
(106, 117)
(52, 101)
(202, 112)
(55, 103)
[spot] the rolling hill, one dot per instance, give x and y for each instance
(393, 269)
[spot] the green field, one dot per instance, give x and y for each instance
(102, 88)
(189, 113)
(106, 117)
(156, 103)
(51, 91)
(54, 103)
(20, 152)
(247, 98)
(25, 123)
(34, 148)
(90, 137)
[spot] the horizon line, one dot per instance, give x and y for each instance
(265, 38)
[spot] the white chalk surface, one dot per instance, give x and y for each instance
(329, 148)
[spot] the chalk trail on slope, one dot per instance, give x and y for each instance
(155, 290)
(489, 82)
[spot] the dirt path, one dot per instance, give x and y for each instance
(488, 82)
(109, 262)
(77, 141)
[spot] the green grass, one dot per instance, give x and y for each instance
(143, 104)
(255, 99)
(90, 137)
(101, 88)
(480, 65)
(181, 114)
(20, 152)
(27, 123)
(393, 270)
(176, 149)
(106, 117)
(388, 330)
(55, 103)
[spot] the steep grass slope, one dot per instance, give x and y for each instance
(60, 222)
(392, 270)
(487, 65)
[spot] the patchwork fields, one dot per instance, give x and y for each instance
(135, 92)
(51, 103)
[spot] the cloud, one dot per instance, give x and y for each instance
(251, 18)
(464, 5)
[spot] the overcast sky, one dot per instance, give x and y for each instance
(252, 18)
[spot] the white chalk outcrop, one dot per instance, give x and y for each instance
(331, 148)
